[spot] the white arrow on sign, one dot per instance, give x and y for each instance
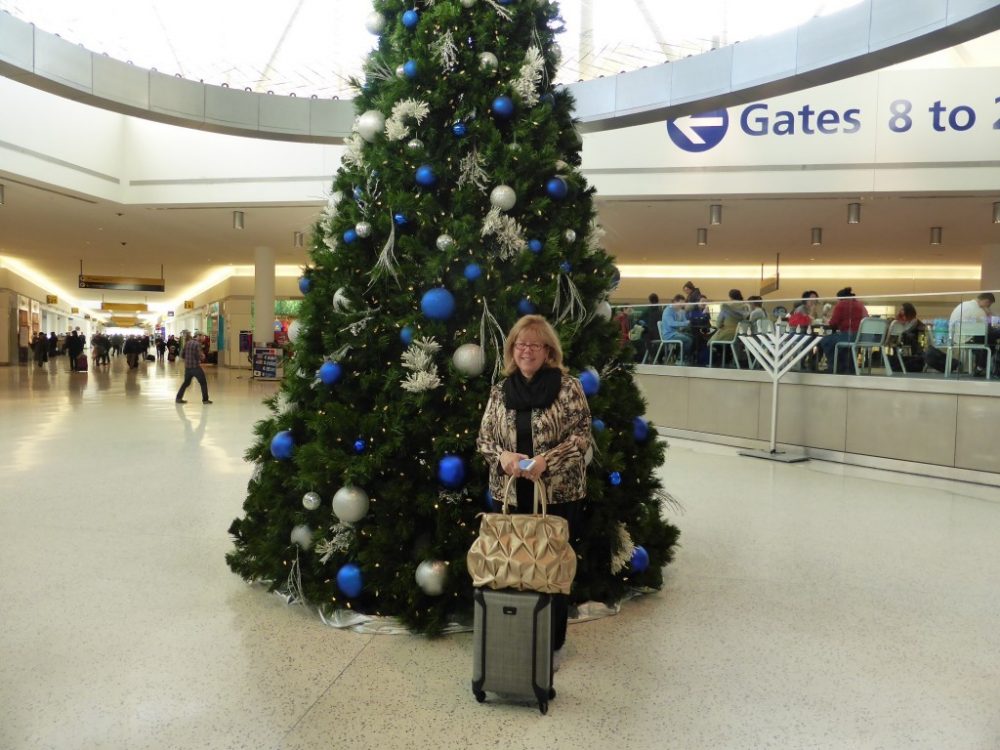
(688, 124)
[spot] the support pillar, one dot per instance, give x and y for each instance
(263, 295)
(990, 272)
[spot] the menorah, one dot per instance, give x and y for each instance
(777, 352)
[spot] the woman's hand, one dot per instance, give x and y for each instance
(537, 470)
(508, 462)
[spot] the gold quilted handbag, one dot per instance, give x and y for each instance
(526, 552)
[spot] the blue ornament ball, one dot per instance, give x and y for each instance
(330, 373)
(425, 176)
(410, 19)
(358, 193)
(557, 188)
(566, 267)
(548, 99)
(503, 107)
(438, 304)
(406, 335)
(640, 429)
(488, 501)
(615, 478)
(535, 246)
(282, 445)
(410, 69)
(640, 560)
(459, 130)
(598, 425)
(473, 271)
(305, 284)
(526, 307)
(350, 236)
(590, 381)
(349, 580)
(506, 2)
(360, 446)
(400, 220)
(616, 277)
(451, 472)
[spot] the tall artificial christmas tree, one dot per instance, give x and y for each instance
(458, 208)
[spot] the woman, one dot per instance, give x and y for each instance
(806, 312)
(730, 315)
(845, 321)
(538, 412)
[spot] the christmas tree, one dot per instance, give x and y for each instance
(458, 208)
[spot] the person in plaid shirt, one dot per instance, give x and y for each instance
(193, 357)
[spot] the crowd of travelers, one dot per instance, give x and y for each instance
(102, 346)
(683, 331)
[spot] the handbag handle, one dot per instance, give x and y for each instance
(541, 495)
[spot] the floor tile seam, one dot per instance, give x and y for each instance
(323, 695)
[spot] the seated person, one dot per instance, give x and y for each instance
(806, 312)
(845, 321)
(756, 308)
(730, 315)
(974, 312)
(651, 337)
(674, 324)
(911, 337)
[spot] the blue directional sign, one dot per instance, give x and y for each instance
(701, 132)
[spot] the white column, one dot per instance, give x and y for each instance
(263, 295)
(990, 272)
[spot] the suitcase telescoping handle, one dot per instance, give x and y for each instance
(541, 496)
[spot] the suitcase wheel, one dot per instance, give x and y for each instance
(480, 696)
(543, 706)
(552, 693)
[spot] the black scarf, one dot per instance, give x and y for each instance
(540, 392)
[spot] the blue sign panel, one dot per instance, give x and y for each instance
(701, 132)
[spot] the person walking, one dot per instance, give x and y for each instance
(193, 357)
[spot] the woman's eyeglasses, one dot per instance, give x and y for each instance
(528, 347)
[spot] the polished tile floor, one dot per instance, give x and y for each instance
(811, 606)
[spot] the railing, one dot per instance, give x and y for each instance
(943, 335)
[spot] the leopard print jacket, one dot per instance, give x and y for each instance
(560, 433)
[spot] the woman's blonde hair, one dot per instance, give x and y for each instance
(545, 332)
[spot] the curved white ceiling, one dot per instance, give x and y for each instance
(312, 47)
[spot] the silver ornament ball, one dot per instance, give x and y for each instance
(375, 23)
(589, 455)
(468, 3)
(445, 242)
(350, 504)
(570, 235)
(603, 310)
(311, 501)
(489, 63)
(400, 71)
(503, 197)
(416, 146)
(469, 359)
(370, 124)
(363, 228)
(302, 535)
(431, 577)
(293, 331)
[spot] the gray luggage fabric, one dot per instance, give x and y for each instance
(512, 652)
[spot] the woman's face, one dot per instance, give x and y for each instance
(530, 352)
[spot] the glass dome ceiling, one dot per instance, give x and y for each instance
(312, 47)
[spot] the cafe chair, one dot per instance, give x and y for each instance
(871, 335)
(673, 346)
(742, 328)
(894, 345)
(973, 338)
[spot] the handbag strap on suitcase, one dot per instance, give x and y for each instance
(541, 496)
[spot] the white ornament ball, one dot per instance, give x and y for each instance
(445, 242)
(370, 124)
(503, 197)
(311, 501)
(489, 63)
(431, 577)
(375, 23)
(570, 235)
(363, 228)
(302, 535)
(604, 310)
(293, 331)
(400, 71)
(415, 146)
(350, 504)
(468, 3)
(469, 359)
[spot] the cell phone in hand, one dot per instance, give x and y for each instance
(526, 464)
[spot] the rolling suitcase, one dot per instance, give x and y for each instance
(512, 651)
(81, 362)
